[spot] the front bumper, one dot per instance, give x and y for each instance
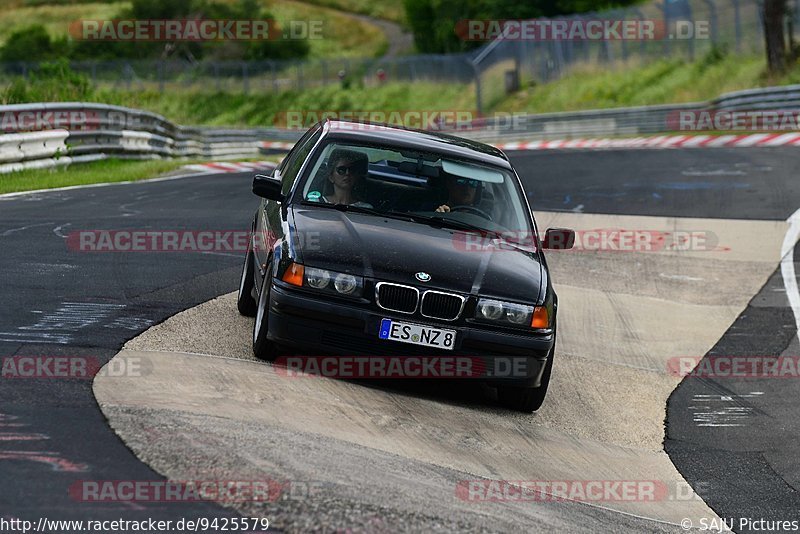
(319, 326)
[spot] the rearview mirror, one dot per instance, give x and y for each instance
(559, 239)
(268, 187)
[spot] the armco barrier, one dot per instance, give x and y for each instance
(628, 121)
(36, 136)
(31, 146)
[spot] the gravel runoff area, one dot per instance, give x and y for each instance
(390, 455)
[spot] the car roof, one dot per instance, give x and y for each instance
(407, 138)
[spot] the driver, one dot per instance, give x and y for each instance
(460, 192)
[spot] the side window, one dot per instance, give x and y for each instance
(296, 160)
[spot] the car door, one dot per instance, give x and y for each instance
(269, 224)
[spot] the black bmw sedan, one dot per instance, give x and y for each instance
(381, 242)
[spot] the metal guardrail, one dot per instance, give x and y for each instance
(56, 134)
(628, 121)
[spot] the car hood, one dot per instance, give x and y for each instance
(395, 250)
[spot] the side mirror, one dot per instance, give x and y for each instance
(268, 187)
(559, 239)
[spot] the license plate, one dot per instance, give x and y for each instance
(417, 334)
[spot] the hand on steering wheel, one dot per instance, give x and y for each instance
(470, 209)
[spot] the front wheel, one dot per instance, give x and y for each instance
(526, 399)
(263, 348)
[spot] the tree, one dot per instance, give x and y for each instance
(29, 44)
(774, 14)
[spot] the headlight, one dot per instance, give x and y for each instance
(491, 310)
(317, 278)
(518, 314)
(345, 283)
(510, 313)
(342, 283)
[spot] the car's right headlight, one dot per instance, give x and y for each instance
(344, 284)
(511, 313)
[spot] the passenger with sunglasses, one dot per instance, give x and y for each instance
(348, 168)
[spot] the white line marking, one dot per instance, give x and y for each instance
(223, 254)
(681, 277)
(57, 230)
(21, 228)
(787, 266)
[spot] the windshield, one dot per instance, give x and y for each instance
(418, 186)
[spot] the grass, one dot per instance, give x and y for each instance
(110, 170)
(56, 18)
(268, 109)
(343, 35)
(663, 81)
(391, 10)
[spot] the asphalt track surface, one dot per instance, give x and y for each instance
(751, 469)
(58, 301)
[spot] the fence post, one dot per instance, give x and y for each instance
(692, 40)
(478, 96)
(712, 10)
(665, 15)
(299, 76)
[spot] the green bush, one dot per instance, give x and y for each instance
(53, 82)
(31, 44)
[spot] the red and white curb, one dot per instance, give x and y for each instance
(217, 167)
(663, 141)
(274, 145)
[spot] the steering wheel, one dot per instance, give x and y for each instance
(472, 209)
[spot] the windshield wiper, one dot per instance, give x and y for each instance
(362, 209)
(445, 222)
(438, 222)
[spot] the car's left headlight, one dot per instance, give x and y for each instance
(344, 284)
(513, 314)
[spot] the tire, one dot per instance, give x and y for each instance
(526, 399)
(245, 302)
(263, 348)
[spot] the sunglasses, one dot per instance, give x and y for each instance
(344, 169)
(467, 181)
